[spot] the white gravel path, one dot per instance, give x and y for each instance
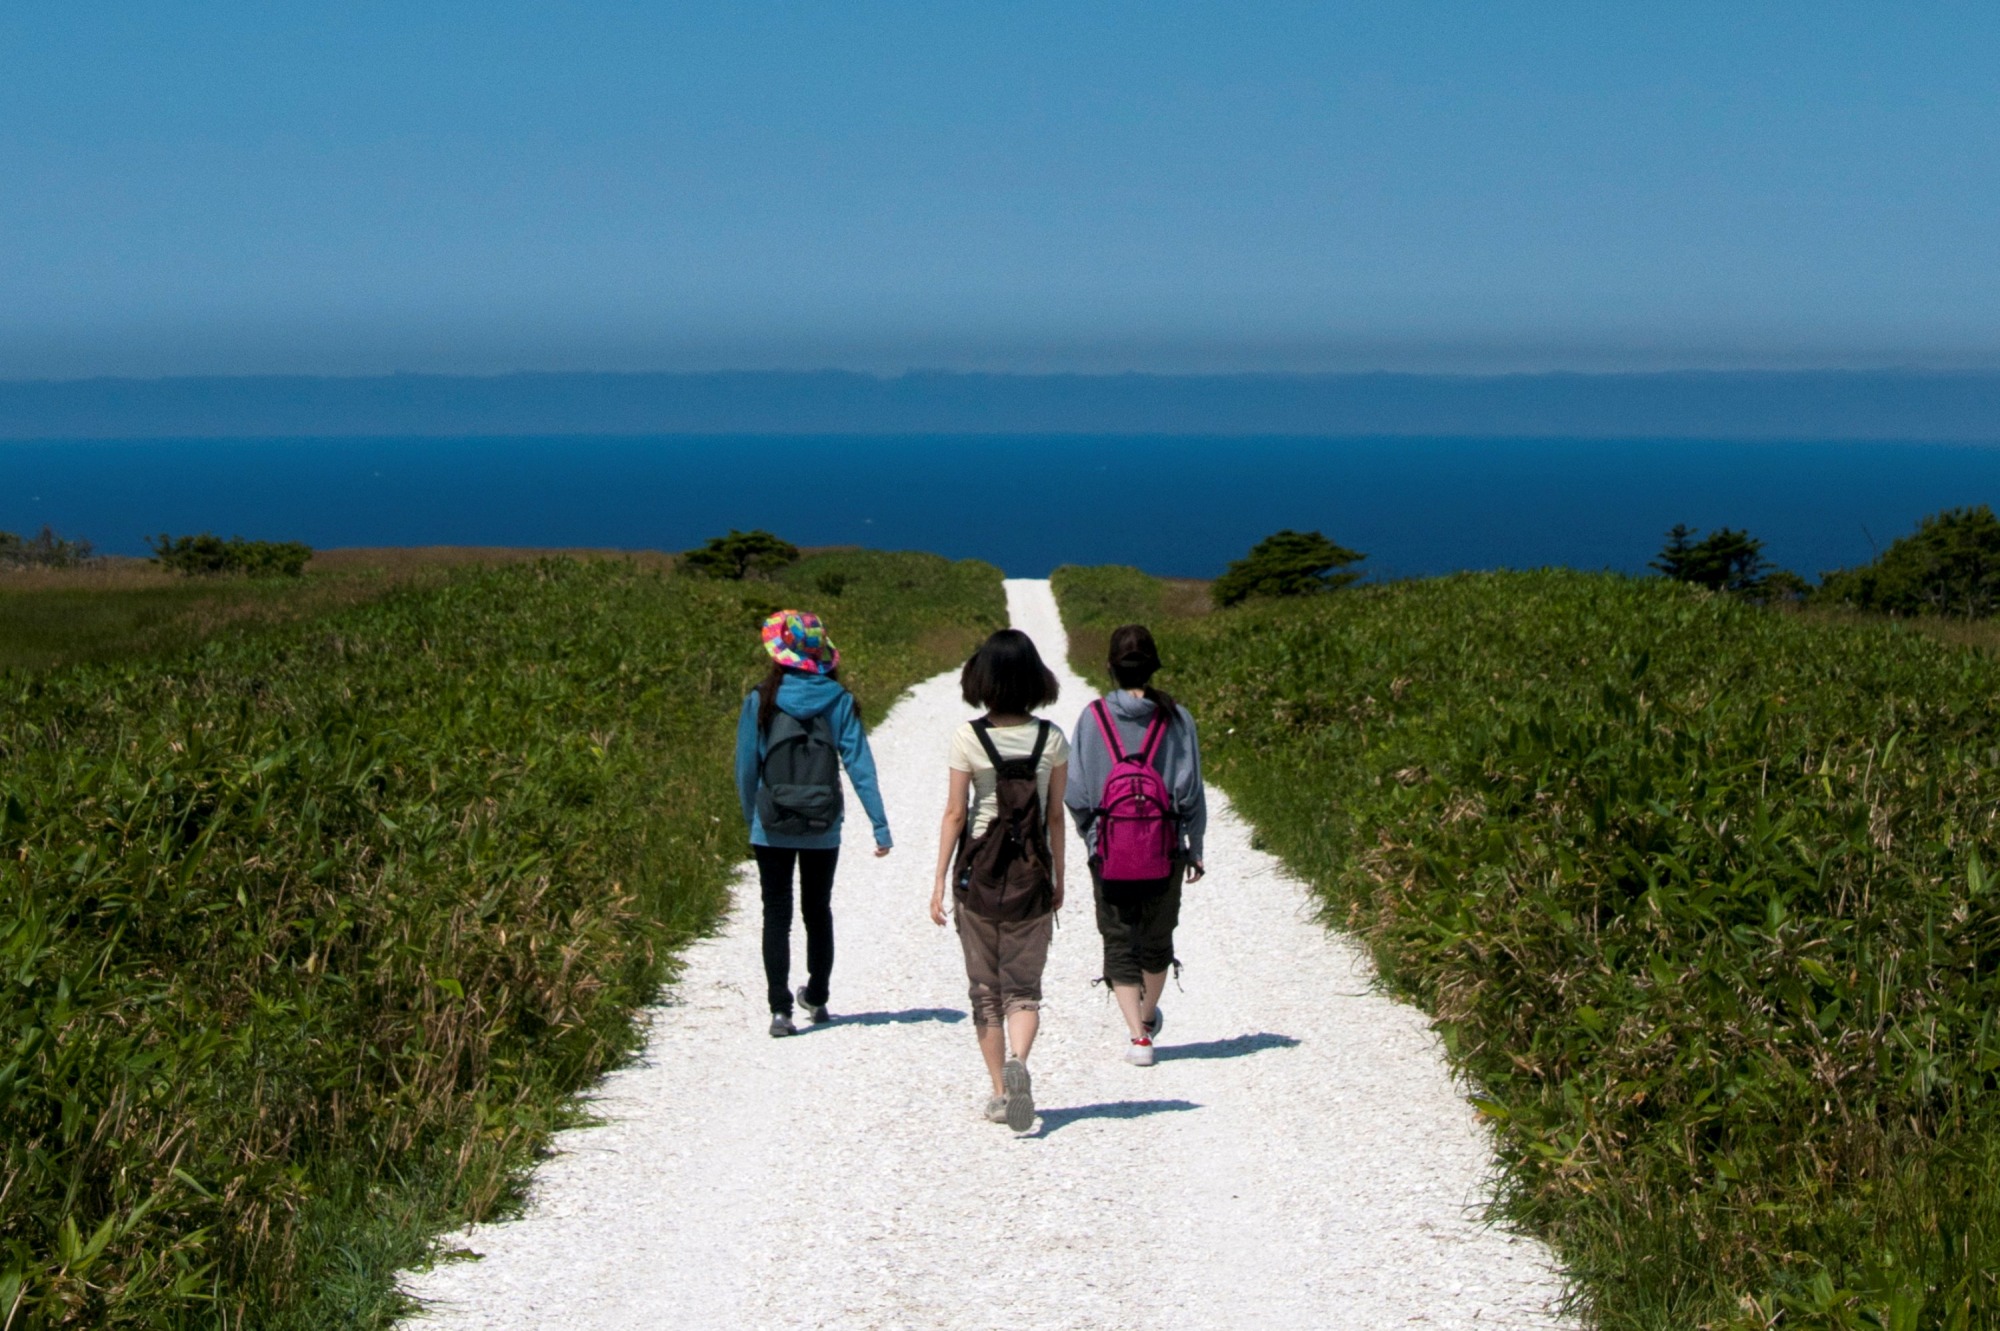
(1299, 1157)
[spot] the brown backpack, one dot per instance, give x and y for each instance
(1003, 873)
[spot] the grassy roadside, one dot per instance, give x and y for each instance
(307, 934)
(1098, 598)
(1697, 894)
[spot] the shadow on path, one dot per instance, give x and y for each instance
(1059, 1118)
(1234, 1047)
(907, 1017)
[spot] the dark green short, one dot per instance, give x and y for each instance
(1137, 921)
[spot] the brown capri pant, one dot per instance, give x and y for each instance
(1003, 962)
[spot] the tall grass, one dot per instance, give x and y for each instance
(1701, 897)
(306, 936)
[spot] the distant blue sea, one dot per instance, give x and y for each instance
(1177, 506)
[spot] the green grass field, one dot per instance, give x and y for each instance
(308, 931)
(121, 609)
(1701, 897)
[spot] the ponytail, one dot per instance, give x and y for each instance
(767, 696)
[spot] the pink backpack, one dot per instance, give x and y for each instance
(1136, 826)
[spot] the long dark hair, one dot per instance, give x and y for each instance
(767, 690)
(1006, 676)
(1134, 661)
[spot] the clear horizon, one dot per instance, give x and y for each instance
(1165, 187)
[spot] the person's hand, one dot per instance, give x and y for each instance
(1195, 871)
(1057, 900)
(880, 851)
(937, 906)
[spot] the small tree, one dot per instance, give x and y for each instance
(739, 555)
(1287, 563)
(47, 550)
(1726, 560)
(1782, 586)
(208, 555)
(1949, 566)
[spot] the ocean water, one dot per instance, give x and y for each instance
(1174, 505)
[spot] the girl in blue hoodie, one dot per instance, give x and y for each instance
(802, 708)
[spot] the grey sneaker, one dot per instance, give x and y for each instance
(1140, 1053)
(815, 1012)
(1020, 1095)
(996, 1109)
(1153, 1026)
(781, 1025)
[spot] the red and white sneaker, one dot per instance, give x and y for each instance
(1140, 1053)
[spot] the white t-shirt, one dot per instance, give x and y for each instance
(969, 755)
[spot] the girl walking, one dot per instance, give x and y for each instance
(1139, 804)
(798, 728)
(1006, 771)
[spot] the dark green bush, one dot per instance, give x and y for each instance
(209, 555)
(740, 555)
(1725, 560)
(1287, 563)
(44, 551)
(1949, 566)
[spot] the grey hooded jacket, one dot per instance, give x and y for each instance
(1179, 763)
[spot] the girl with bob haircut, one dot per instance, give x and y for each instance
(1133, 728)
(1006, 771)
(798, 728)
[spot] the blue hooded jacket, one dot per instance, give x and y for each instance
(806, 696)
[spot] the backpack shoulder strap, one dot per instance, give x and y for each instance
(979, 728)
(1109, 731)
(1041, 742)
(1156, 735)
(784, 729)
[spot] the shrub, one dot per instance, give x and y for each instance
(1287, 563)
(44, 551)
(1725, 560)
(1949, 566)
(208, 555)
(740, 555)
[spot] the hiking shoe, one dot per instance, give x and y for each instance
(1153, 1026)
(781, 1025)
(996, 1109)
(815, 1012)
(1140, 1053)
(1020, 1095)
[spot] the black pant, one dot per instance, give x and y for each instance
(1137, 921)
(774, 874)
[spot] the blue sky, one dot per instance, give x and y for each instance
(351, 188)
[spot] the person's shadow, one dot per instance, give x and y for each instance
(1052, 1119)
(1235, 1047)
(907, 1017)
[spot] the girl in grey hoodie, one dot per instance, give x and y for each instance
(1137, 919)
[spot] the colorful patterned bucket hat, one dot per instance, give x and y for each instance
(797, 640)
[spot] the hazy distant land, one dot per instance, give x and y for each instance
(1820, 405)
